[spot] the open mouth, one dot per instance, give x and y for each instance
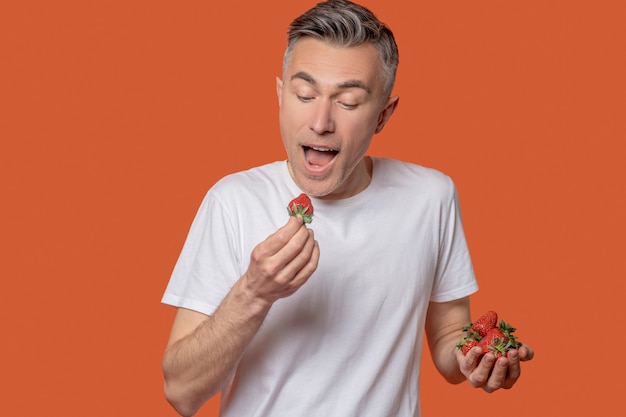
(319, 156)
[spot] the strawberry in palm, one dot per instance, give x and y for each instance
(494, 342)
(466, 344)
(301, 206)
(491, 337)
(486, 322)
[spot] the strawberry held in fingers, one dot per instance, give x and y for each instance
(302, 206)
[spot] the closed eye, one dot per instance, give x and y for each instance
(348, 106)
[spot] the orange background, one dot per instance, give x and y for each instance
(117, 116)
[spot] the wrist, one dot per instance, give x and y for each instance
(247, 300)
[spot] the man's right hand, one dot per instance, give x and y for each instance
(203, 351)
(283, 262)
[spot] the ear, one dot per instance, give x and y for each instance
(279, 90)
(386, 113)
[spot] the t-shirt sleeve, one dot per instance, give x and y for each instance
(208, 265)
(454, 276)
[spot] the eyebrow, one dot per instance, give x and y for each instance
(343, 85)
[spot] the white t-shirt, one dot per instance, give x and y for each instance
(348, 343)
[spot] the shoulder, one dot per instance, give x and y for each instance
(242, 189)
(250, 180)
(413, 177)
(258, 195)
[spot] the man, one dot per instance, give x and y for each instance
(285, 323)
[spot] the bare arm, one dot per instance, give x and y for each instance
(444, 322)
(203, 351)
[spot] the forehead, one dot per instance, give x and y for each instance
(332, 64)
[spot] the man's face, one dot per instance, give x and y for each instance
(331, 104)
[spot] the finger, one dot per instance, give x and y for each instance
(468, 364)
(309, 266)
(270, 256)
(498, 375)
(469, 367)
(273, 276)
(480, 376)
(296, 244)
(303, 275)
(296, 255)
(526, 353)
(514, 369)
(281, 237)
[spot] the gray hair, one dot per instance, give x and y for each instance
(343, 23)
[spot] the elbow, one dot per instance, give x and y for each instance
(177, 392)
(178, 401)
(186, 394)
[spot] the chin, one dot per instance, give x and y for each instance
(315, 188)
(323, 191)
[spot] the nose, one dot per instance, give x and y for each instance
(322, 120)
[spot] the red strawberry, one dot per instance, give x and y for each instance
(489, 335)
(466, 344)
(486, 322)
(302, 206)
(507, 330)
(496, 342)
